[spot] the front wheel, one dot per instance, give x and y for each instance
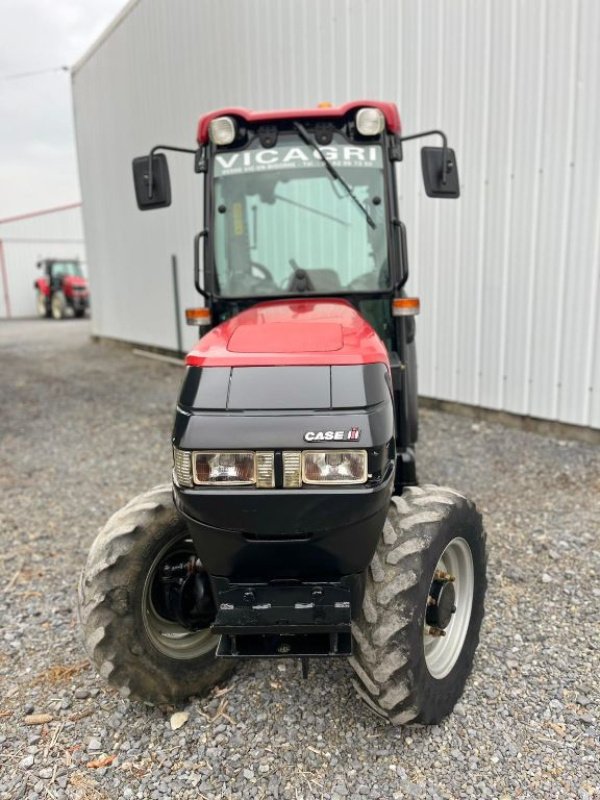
(58, 305)
(418, 629)
(129, 617)
(41, 304)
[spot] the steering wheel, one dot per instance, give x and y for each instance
(362, 283)
(365, 282)
(266, 274)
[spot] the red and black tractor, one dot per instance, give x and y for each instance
(62, 289)
(294, 526)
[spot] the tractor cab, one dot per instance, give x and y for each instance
(301, 202)
(303, 216)
(287, 222)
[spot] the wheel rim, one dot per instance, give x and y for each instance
(442, 652)
(169, 637)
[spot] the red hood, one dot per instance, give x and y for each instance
(291, 333)
(74, 280)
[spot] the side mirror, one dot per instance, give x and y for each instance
(440, 180)
(151, 181)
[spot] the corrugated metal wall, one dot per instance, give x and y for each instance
(25, 240)
(508, 275)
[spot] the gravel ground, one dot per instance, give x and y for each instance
(85, 426)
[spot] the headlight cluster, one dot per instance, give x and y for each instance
(249, 468)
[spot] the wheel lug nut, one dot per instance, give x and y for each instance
(436, 631)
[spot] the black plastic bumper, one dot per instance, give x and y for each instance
(305, 534)
(79, 303)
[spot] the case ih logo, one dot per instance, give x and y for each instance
(353, 435)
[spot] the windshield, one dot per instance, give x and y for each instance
(60, 268)
(283, 224)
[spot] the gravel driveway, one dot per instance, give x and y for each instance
(85, 426)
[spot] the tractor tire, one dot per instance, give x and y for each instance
(144, 654)
(41, 305)
(58, 305)
(403, 672)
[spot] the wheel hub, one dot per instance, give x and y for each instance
(441, 603)
(448, 609)
(182, 593)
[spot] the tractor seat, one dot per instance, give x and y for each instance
(323, 280)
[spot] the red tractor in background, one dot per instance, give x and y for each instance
(62, 287)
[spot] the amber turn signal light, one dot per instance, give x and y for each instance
(405, 306)
(198, 316)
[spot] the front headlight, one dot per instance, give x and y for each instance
(232, 468)
(334, 466)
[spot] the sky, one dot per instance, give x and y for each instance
(38, 162)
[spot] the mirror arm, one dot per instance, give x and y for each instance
(444, 146)
(197, 237)
(162, 147)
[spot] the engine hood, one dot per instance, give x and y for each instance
(291, 333)
(75, 282)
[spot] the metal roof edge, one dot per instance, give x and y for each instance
(106, 33)
(39, 213)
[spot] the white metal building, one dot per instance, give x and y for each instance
(509, 276)
(25, 240)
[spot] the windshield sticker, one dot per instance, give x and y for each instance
(278, 158)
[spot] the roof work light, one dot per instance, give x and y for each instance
(222, 130)
(369, 121)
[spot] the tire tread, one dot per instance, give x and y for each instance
(104, 602)
(384, 632)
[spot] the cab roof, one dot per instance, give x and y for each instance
(389, 110)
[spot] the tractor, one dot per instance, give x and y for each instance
(62, 289)
(294, 525)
